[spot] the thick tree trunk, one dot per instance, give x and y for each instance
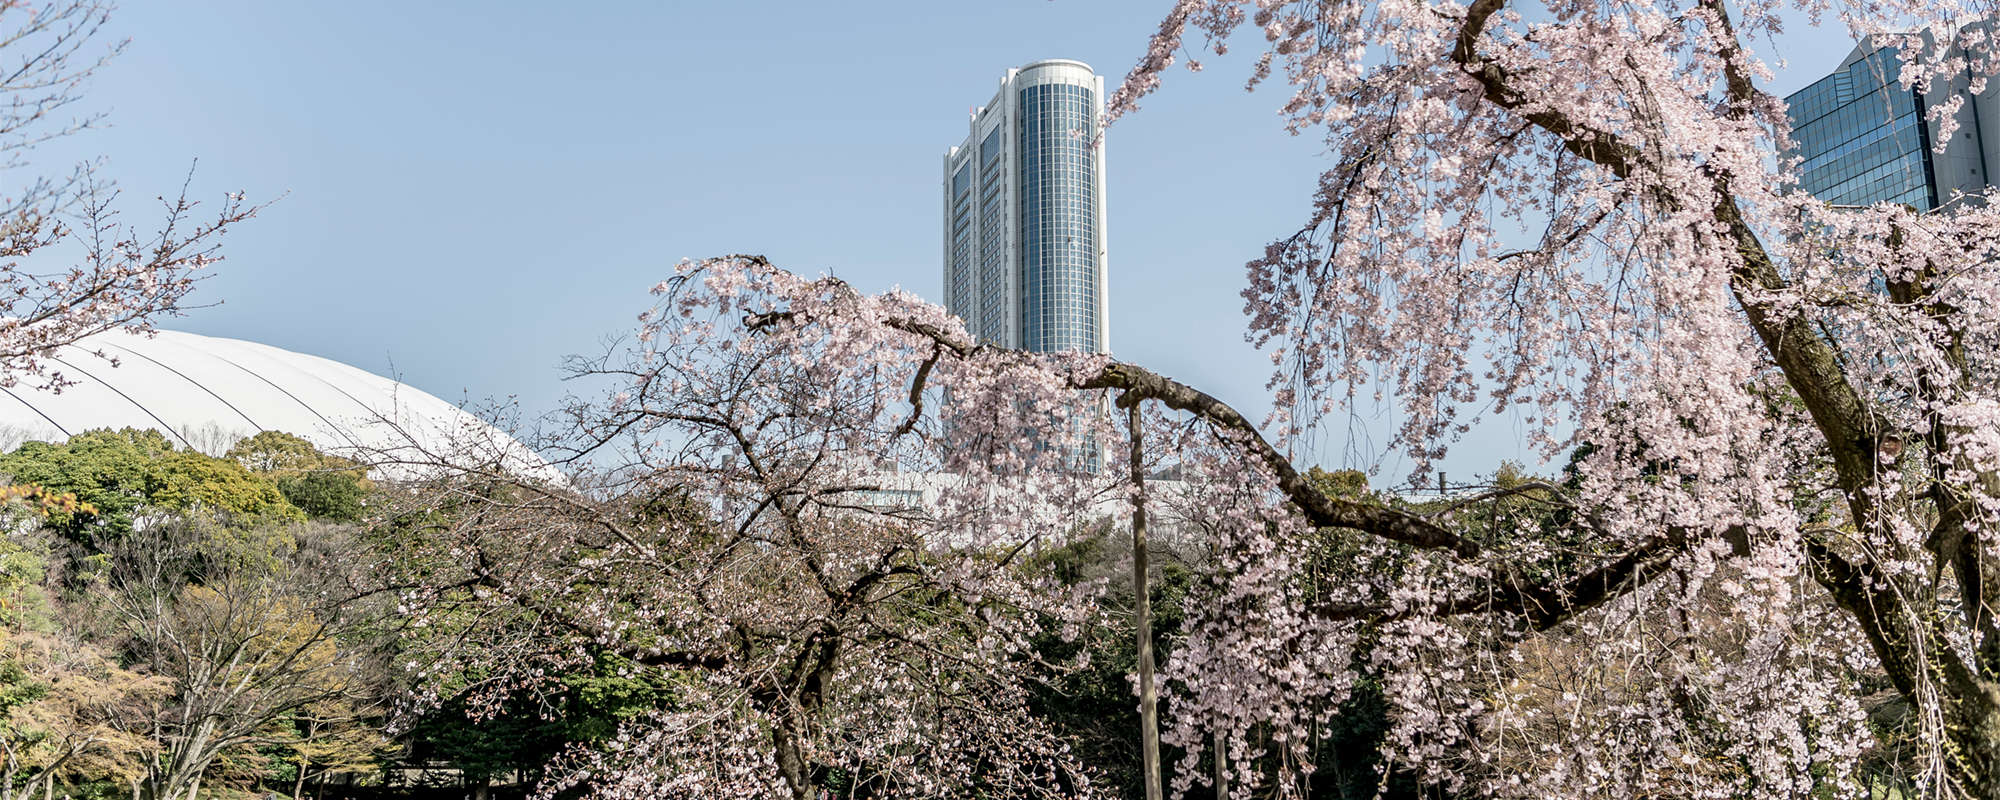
(299, 786)
(791, 764)
(186, 760)
(1142, 600)
(1977, 739)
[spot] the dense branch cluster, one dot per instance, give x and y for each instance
(757, 546)
(1581, 211)
(1769, 569)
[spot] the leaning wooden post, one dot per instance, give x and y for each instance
(1149, 705)
(1221, 767)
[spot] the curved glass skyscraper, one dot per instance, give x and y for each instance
(1024, 254)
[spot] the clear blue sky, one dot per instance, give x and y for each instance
(475, 189)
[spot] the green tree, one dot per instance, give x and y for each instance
(119, 472)
(1095, 705)
(518, 740)
(323, 486)
(527, 730)
(279, 453)
(326, 495)
(69, 711)
(263, 644)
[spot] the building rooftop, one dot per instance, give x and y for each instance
(204, 392)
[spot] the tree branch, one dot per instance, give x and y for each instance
(1598, 147)
(1323, 511)
(1539, 606)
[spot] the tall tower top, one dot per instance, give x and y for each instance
(1057, 62)
(1024, 246)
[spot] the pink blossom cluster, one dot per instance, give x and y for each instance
(1779, 416)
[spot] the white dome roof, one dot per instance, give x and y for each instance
(204, 392)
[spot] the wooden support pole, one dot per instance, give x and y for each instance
(1142, 598)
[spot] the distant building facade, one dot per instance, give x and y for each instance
(1865, 139)
(1024, 250)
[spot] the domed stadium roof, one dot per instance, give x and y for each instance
(205, 392)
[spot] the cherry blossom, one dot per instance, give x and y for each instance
(1778, 516)
(1582, 213)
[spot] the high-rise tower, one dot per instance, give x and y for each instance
(1024, 254)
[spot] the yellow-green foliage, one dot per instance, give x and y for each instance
(185, 478)
(1512, 474)
(1347, 484)
(323, 486)
(23, 605)
(118, 473)
(276, 454)
(68, 710)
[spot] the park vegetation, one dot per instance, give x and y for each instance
(176, 623)
(1768, 565)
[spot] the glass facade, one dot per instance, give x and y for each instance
(1024, 251)
(1059, 291)
(1863, 138)
(993, 271)
(961, 237)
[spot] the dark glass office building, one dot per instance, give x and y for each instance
(1024, 254)
(1866, 139)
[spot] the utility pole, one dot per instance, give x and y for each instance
(1149, 704)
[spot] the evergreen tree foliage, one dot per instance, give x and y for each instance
(324, 486)
(120, 472)
(526, 731)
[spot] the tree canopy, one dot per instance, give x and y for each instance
(1770, 568)
(123, 471)
(321, 485)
